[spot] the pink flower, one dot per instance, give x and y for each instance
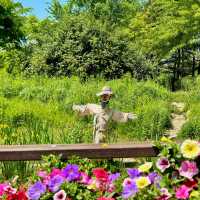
(9, 189)
(188, 169)
(61, 195)
(111, 188)
(100, 185)
(42, 174)
(165, 195)
(3, 186)
(182, 192)
(55, 172)
(46, 180)
(101, 174)
(162, 164)
(85, 179)
(105, 198)
(127, 182)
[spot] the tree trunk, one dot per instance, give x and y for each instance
(173, 79)
(198, 69)
(193, 66)
(182, 63)
(178, 69)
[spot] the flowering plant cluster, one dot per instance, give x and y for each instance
(178, 165)
(174, 174)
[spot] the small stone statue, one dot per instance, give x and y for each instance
(102, 114)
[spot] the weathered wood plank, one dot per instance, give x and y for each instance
(34, 152)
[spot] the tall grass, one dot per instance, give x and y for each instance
(190, 95)
(39, 110)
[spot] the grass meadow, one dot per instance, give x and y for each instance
(38, 110)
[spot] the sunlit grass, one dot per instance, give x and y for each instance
(39, 111)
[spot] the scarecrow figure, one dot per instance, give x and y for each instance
(102, 114)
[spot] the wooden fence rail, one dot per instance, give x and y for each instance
(34, 152)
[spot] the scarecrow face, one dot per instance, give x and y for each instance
(105, 97)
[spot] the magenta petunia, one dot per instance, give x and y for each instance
(55, 172)
(3, 186)
(182, 192)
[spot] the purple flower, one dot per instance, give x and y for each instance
(129, 188)
(188, 169)
(133, 173)
(113, 177)
(71, 172)
(36, 190)
(154, 177)
(162, 164)
(55, 183)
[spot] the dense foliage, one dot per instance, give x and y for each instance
(11, 21)
(149, 39)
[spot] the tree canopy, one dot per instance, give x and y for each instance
(106, 38)
(11, 21)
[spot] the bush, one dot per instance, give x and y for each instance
(76, 47)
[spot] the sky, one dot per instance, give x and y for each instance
(39, 6)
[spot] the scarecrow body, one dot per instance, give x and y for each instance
(102, 115)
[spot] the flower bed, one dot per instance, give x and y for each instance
(174, 174)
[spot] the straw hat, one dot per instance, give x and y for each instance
(105, 91)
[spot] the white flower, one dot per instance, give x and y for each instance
(61, 195)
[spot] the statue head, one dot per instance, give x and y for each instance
(105, 95)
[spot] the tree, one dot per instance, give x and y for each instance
(167, 29)
(11, 20)
(56, 10)
(81, 38)
(109, 12)
(165, 26)
(74, 46)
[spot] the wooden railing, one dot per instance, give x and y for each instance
(35, 152)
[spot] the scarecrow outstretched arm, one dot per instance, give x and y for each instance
(123, 117)
(83, 110)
